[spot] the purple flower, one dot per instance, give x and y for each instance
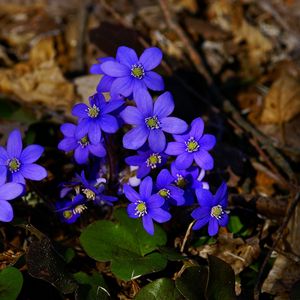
(193, 146)
(145, 205)
(132, 73)
(151, 121)
(96, 117)
(105, 81)
(146, 161)
(17, 164)
(166, 190)
(211, 210)
(8, 191)
(81, 144)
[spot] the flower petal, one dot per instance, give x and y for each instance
(155, 201)
(82, 128)
(148, 224)
(68, 129)
(173, 125)
(164, 178)
(31, 154)
(146, 187)
(135, 138)
(204, 160)
(10, 190)
(164, 105)
(184, 160)
(151, 58)
(17, 177)
(131, 211)
(144, 102)
(200, 223)
(175, 148)
(160, 215)
(177, 194)
(224, 220)
(80, 110)
(81, 155)
(68, 144)
(3, 172)
(197, 128)
(6, 212)
(126, 56)
(201, 212)
(157, 140)
(213, 226)
(131, 115)
(112, 105)
(205, 198)
(123, 86)
(14, 144)
(115, 69)
(207, 142)
(130, 193)
(154, 81)
(4, 157)
(33, 171)
(143, 171)
(94, 132)
(135, 160)
(97, 150)
(109, 124)
(105, 84)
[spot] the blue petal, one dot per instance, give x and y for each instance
(131, 211)
(68, 144)
(175, 148)
(164, 178)
(204, 159)
(205, 198)
(154, 81)
(151, 58)
(130, 193)
(197, 128)
(14, 144)
(184, 160)
(80, 110)
(173, 125)
(6, 212)
(94, 132)
(213, 226)
(109, 124)
(3, 172)
(148, 224)
(164, 105)
(123, 86)
(135, 138)
(115, 69)
(68, 129)
(105, 84)
(221, 196)
(135, 160)
(112, 106)
(11, 191)
(143, 171)
(127, 56)
(177, 195)
(157, 140)
(81, 155)
(200, 223)
(31, 154)
(146, 187)
(17, 177)
(207, 142)
(159, 215)
(155, 201)
(131, 115)
(97, 150)
(33, 171)
(144, 102)
(82, 128)
(4, 157)
(224, 220)
(201, 212)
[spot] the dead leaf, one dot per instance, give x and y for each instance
(282, 102)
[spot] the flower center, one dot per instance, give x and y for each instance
(93, 111)
(165, 193)
(14, 165)
(153, 160)
(137, 71)
(67, 214)
(180, 181)
(141, 208)
(152, 122)
(217, 212)
(90, 195)
(192, 145)
(84, 141)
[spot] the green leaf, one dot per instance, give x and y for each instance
(192, 283)
(161, 289)
(171, 254)
(11, 281)
(221, 283)
(234, 224)
(91, 287)
(126, 244)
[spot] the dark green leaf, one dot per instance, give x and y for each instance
(11, 281)
(171, 254)
(221, 283)
(161, 289)
(235, 224)
(192, 283)
(126, 244)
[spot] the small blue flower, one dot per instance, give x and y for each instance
(151, 121)
(165, 189)
(145, 205)
(81, 144)
(8, 191)
(211, 210)
(146, 161)
(132, 73)
(96, 117)
(193, 146)
(17, 164)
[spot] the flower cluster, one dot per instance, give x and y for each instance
(16, 165)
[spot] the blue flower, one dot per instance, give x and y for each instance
(165, 189)
(96, 117)
(145, 205)
(151, 121)
(17, 164)
(8, 191)
(81, 144)
(146, 161)
(193, 146)
(132, 73)
(211, 210)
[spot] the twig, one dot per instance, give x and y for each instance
(187, 234)
(285, 222)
